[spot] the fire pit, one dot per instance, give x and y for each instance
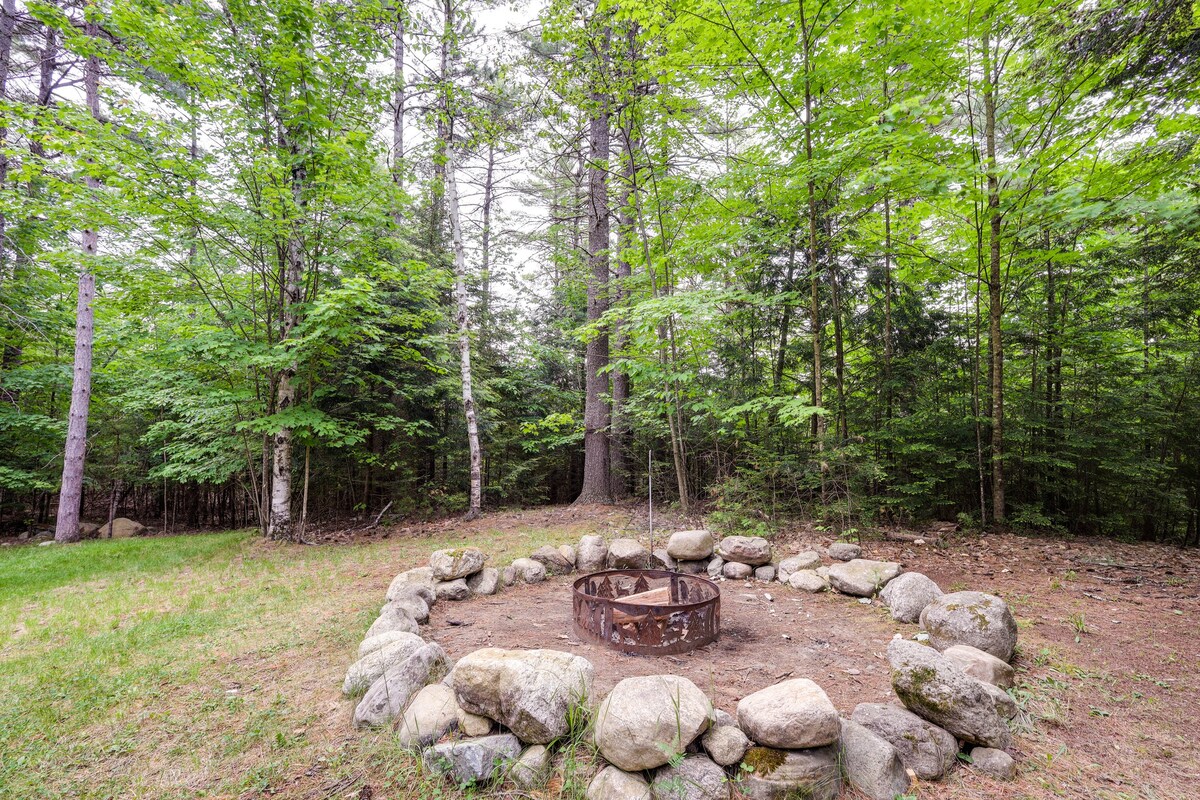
(647, 611)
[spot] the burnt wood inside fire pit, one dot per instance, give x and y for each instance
(647, 611)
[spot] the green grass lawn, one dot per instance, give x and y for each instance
(201, 666)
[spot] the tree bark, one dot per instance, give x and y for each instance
(446, 129)
(811, 252)
(399, 95)
(597, 477)
(70, 494)
(619, 444)
(995, 298)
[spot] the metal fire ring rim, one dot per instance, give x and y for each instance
(708, 608)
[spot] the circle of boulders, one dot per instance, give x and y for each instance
(501, 715)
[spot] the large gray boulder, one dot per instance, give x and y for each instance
(791, 715)
(456, 589)
(531, 692)
(428, 717)
(692, 567)
(862, 577)
(809, 559)
(627, 554)
(644, 722)
(871, 763)
(592, 554)
(807, 580)
(981, 666)
(418, 581)
(121, 528)
(752, 550)
(844, 551)
(690, 545)
(612, 783)
(926, 749)
(448, 565)
(662, 559)
(485, 582)
(737, 571)
(393, 619)
(411, 602)
(390, 693)
(471, 761)
(528, 570)
(366, 670)
(374, 643)
(769, 774)
(980, 620)
(725, 744)
(933, 688)
(693, 778)
(554, 561)
(907, 595)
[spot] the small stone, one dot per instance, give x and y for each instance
(485, 582)
(452, 590)
(474, 760)
(737, 571)
(716, 567)
(791, 715)
(844, 551)
(691, 567)
(694, 545)
(508, 576)
(471, 724)
(725, 744)
(997, 763)
(448, 565)
(533, 767)
(752, 550)
(770, 598)
(865, 601)
(806, 580)
(764, 574)
(612, 783)
(529, 571)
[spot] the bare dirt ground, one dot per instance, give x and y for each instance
(1108, 663)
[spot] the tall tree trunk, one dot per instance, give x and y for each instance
(597, 478)
(619, 444)
(995, 298)
(399, 95)
(485, 239)
(446, 131)
(70, 494)
(8, 22)
(811, 252)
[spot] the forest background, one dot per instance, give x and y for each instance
(270, 262)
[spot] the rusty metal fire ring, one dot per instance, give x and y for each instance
(647, 611)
